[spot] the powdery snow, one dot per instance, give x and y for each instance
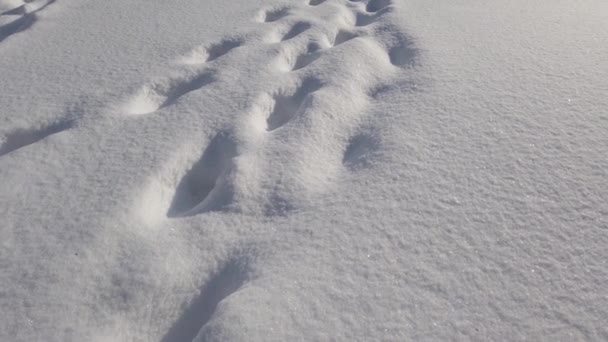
(306, 170)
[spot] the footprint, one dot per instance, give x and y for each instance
(316, 2)
(165, 93)
(206, 54)
(218, 50)
(226, 281)
(343, 36)
(298, 28)
(274, 15)
(205, 186)
(359, 151)
(366, 19)
(376, 5)
(287, 107)
(297, 60)
(402, 54)
(24, 137)
(312, 54)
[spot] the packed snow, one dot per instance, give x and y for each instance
(303, 170)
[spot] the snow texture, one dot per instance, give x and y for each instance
(304, 170)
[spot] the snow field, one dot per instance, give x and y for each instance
(303, 170)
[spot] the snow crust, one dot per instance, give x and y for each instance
(304, 170)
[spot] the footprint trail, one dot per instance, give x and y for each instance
(333, 61)
(297, 29)
(303, 84)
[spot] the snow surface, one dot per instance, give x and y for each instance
(306, 170)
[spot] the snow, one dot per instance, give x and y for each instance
(303, 170)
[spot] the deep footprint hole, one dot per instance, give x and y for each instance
(204, 187)
(286, 107)
(402, 55)
(376, 5)
(343, 36)
(297, 29)
(305, 60)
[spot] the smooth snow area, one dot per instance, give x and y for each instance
(305, 170)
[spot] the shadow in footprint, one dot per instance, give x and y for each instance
(312, 54)
(204, 188)
(21, 23)
(288, 106)
(376, 5)
(25, 137)
(218, 50)
(403, 54)
(179, 88)
(274, 15)
(296, 30)
(366, 19)
(359, 151)
(316, 2)
(231, 277)
(343, 36)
